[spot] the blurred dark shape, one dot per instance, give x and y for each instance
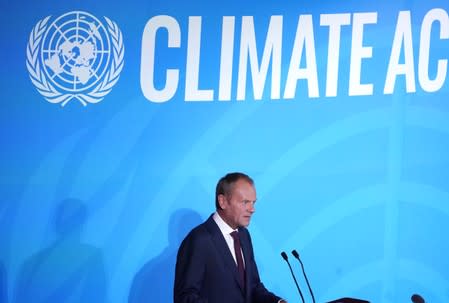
(417, 299)
(68, 270)
(154, 281)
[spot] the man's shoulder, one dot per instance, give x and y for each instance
(202, 231)
(198, 231)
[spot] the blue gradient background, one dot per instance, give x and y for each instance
(358, 185)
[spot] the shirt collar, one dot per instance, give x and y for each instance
(222, 225)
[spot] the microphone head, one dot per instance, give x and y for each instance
(284, 255)
(417, 299)
(295, 254)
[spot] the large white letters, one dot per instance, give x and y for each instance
(423, 65)
(272, 49)
(334, 21)
(226, 58)
(304, 39)
(402, 41)
(358, 52)
(260, 49)
(147, 59)
(193, 93)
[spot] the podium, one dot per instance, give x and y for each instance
(348, 300)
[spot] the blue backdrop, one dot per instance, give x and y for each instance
(119, 117)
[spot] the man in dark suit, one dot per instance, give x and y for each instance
(215, 262)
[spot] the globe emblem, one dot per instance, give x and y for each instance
(75, 51)
(75, 57)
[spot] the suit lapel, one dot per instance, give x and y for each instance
(223, 249)
(246, 248)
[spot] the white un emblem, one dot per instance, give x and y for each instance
(75, 58)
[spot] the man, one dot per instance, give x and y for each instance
(214, 266)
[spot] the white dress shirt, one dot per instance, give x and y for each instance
(226, 230)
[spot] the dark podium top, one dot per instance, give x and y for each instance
(348, 300)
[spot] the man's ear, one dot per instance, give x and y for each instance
(222, 201)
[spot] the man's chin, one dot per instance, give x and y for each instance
(246, 223)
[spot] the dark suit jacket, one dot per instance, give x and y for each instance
(207, 273)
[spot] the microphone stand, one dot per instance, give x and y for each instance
(296, 255)
(284, 256)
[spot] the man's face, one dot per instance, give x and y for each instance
(237, 209)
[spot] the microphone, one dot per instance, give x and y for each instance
(284, 256)
(417, 299)
(296, 255)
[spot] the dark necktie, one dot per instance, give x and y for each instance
(238, 255)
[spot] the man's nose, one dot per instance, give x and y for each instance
(251, 208)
